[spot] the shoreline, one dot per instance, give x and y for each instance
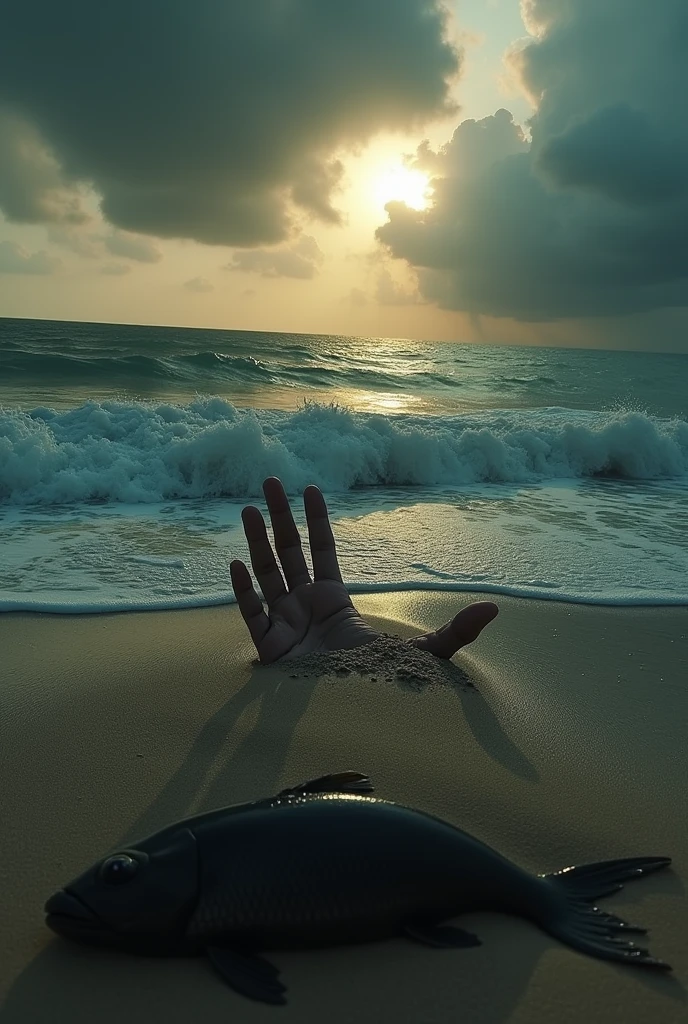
(569, 747)
(363, 591)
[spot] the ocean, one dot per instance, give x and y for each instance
(127, 453)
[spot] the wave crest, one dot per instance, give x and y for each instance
(147, 452)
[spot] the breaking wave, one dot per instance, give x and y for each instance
(147, 452)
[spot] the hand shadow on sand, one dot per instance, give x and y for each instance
(489, 733)
(480, 718)
(248, 774)
(251, 771)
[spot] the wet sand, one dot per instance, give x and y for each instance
(558, 737)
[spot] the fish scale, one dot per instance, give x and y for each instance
(294, 895)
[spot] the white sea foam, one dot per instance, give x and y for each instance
(167, 563)
(143, 452)
(591, 541)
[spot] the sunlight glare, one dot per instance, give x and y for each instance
(401, 184)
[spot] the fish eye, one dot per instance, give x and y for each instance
(118, 869)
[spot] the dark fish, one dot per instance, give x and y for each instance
(320, 864)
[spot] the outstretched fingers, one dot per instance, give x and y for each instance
(250, 605)
(262, 556)
(320, 536)
(287, 539)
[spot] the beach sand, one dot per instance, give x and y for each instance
(569, 747)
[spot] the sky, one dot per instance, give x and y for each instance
(476, 170)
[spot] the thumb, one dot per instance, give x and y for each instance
(463, 629)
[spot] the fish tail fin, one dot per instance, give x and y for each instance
(583, 926)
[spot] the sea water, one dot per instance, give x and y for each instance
(127, 453)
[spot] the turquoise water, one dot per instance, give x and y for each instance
(60, 364)
(126, 454)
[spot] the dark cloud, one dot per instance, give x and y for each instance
(208, 120)
(314, 186)
(132, 247)
(591, 217)
(619, 153)
(199, 284)
(93, 246)
(301, 260)
(16, 260)
(33, 188)
(389, 292)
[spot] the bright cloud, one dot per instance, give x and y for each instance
(591, 218)
(300, 261)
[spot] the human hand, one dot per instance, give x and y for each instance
(307, 614)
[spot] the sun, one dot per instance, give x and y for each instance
(402, 184)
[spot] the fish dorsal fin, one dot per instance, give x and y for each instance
(337, 782)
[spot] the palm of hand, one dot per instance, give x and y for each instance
(315, 616)
(306, 615)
